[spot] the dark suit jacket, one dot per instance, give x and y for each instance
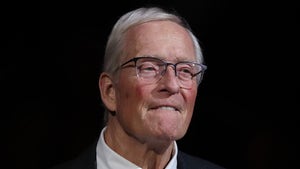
(87, 160)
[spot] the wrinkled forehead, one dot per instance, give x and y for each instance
(164, 39)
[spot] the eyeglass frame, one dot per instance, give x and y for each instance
(165, 65)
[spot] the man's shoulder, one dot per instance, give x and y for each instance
(64, 165)
(85, 160)
(187, 161)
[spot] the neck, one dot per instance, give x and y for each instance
(142, 152)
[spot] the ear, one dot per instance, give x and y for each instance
(107, 91)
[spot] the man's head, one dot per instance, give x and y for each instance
(151, 98)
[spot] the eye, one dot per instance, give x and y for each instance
(147, 67)
(184, 71)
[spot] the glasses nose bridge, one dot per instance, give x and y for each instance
(172, 65)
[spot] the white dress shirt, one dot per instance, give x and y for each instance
(109, 159)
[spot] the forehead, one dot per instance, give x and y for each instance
(164, 39)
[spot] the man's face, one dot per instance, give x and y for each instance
(161, 110)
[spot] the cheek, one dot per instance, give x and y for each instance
(140, 92)
(190, 99)
(131, 95)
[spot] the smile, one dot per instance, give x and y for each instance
(166, 108)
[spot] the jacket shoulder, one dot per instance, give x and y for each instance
(187, 161)
(86, 160)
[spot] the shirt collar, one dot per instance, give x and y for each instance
(108, 159)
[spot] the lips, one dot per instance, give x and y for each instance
(166, 107)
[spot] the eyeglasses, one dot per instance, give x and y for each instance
(151, 69)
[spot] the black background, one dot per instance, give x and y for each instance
(246, 111)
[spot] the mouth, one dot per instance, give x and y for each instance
(172, 108)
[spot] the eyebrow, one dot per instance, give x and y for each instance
(177, 59)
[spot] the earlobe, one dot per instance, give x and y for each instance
(107, 91)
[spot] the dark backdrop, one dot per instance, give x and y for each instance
(245, 116)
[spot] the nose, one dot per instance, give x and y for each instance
(170, 80)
